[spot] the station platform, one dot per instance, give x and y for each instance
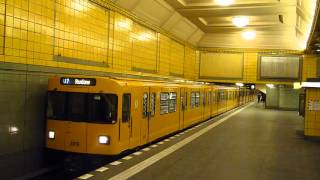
(250, 142)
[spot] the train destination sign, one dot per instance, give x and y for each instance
(78, 81)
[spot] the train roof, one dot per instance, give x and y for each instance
(144, 82)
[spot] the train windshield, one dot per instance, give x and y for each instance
(82, 107)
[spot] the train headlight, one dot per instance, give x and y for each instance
(51, 134)
(104, 140)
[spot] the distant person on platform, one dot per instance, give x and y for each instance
(259, 96)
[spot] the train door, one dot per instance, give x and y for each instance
(133, 128)
(183, 100)
(126, 120)
(202, 103)
(207, 111)
(148, 112)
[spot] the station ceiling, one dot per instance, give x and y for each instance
(278, 24)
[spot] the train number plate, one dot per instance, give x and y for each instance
(74, 143)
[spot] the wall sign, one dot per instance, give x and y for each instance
(78, 81)
(280, 67)
(313, 105)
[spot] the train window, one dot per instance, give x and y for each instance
(103, 108)
(209, 98)
(56, 107)
(193, 99)
(172, 102)
(77, 107)
(145, 105)
(126, 107)
(204, 99)
(197, 99)
(221, 96)
(164, 103)
(153, 104)
(213, 97)
(182, 101)
(82, 107)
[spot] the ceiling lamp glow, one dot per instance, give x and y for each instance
(249, 35)
(311, 84)
(240, 84)
(224, 2)
(270, 85)
(78, 6)
(240, 21)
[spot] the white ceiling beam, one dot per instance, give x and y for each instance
(171, 21)
(129, 5)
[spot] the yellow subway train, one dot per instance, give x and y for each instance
(99, 115)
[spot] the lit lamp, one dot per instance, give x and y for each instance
(224, 2)
(240, 21)
(249, 35)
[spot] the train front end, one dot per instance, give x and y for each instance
(82, 116)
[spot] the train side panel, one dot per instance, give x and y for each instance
(167, 113)
(193, 113)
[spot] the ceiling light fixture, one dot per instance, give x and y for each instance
(249, 35)
(240, 21)
(240, 84)
(224, 2)
(270, 85)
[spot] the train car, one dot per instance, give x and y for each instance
(96, 115)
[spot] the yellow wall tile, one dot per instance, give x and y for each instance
(176, 58)
(82, 30)
(165, 54)
(309, 67)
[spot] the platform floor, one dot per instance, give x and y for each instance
(254, 143)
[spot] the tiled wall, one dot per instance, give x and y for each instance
(312, 116)
(249, 67)
(272, 97)
(22, 122)
(79, 34)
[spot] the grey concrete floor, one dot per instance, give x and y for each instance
(256, 143)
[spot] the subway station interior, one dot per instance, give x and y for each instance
(160, 89)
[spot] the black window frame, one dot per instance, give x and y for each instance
(128, 111)
(164, 103)
(88, 107)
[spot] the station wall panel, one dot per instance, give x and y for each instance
(289, 98)
(40, 33)
(22, 103)
(2, 27)
(309, 67)
(81, 33)
(121, 44)
(144, 49)
(176, 59)
(190, 63)
(250, 67)
(221, 65)
(165, 54)
(282, 97)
